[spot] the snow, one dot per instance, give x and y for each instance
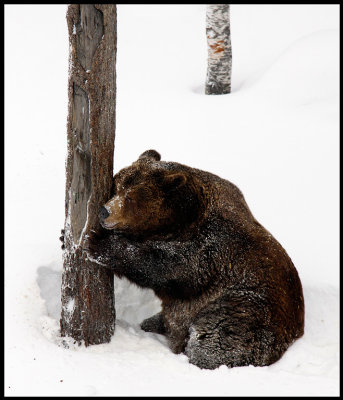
(276, 136)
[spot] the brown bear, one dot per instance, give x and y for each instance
(230, 293)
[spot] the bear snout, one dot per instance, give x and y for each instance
(103, 214)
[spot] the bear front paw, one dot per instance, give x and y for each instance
(95, 247)
(154, 324)
(93, 244)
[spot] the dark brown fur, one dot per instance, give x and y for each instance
(230, 293)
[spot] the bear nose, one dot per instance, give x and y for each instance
(103, 213)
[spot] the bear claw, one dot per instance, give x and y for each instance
(62, 239)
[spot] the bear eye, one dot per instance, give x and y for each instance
(128, 181)
(129, 198)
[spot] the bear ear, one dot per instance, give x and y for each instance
(174, 181)
(152, 154)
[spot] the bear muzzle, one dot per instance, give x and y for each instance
(109, 214)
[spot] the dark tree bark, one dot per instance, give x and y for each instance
(88, 313)
(218, 79)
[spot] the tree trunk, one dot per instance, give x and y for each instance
(88, 313)
(218, 80)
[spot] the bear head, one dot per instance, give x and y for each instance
(152, 197)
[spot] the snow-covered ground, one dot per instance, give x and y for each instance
(276, 136)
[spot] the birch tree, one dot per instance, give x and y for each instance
(218, 80)
(88, 313)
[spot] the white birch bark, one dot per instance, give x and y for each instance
(218, 80)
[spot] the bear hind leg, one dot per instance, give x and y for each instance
(232, 331)
(154, 324)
